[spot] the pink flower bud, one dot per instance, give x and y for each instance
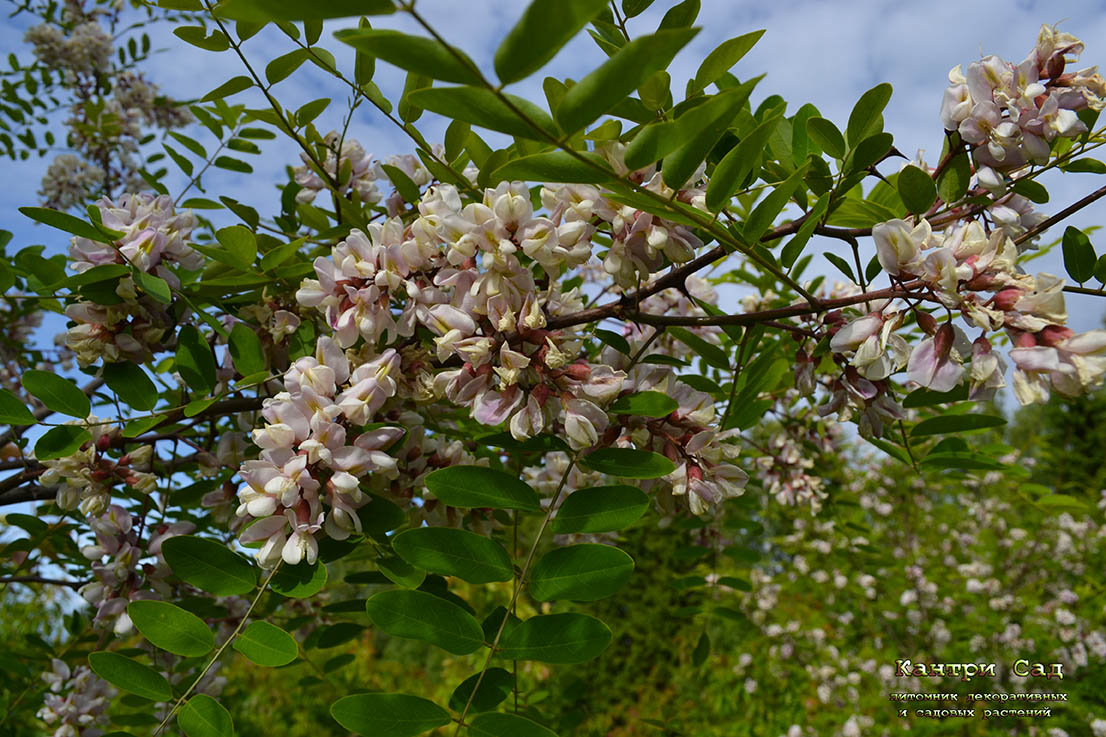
(579, 371)
(1025, 340)
(1006, 299)
(943, 339)
(926, 322)
(1053, 334)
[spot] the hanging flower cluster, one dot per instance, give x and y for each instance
(1012, 113)
(120, 575)
(84, 480)
(315, 449)
(76, 701)
(155, 238)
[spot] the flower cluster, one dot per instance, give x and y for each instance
(1012, 113)
(76, 700)
(315, 449)
(349, 171)
(84, 479)
(975, 272)
(154, 238)
(123, 577)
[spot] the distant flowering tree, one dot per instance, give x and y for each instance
(415, 369)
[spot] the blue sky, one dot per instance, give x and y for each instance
(822, 52)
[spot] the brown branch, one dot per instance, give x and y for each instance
(40, 579)
(618, 310)
(29, 493)
(1070, 209)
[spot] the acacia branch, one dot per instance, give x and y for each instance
(41, 580)
(1069, 210)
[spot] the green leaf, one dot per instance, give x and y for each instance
(171, 628)
(134, 428)
(266, 644)
(723, 58)
(917, 189)
(57, 393)
(708, 119)
(197, 36)
(1087, 165)
(265, 11)
(795, 246)
(476, 486)
(585, 572)
(701, 651)
(556, 166)
(451, 552)
(946, 424)
(555, 638)
(708, 352)
(307, 112)
(388, 714)
(231, 87)
(1100, 269)
(766, 211)
(61, 441)
(614, 340)
(203, 716)
(1061, 501)
(68, 223)
(826, 136)
(407, 189)
(628, 463)
(232, 164)
(418, 615)
(400, 572)
(417, 54)
(620, 75)
(195, 361)
(842, 265)
(299, 581)
(869, 152)
(867, 113)
(545, 27)
(246, 350)
(953, 182)
(1031, 190)
(681, 164)
(240, 244)
(645, 404)
(130, 675)
(600, 509)
(154, 286)
(634, 8)
(13, 411)
(1079, 256)
(495, 724)
(681, 15)
(495, 686)
(209, 565)
(483, 108)
(735, 166)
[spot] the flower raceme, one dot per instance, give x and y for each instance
(450, 299)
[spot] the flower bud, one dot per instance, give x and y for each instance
(1006, 299)
(926, 322)
(1053, 334)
